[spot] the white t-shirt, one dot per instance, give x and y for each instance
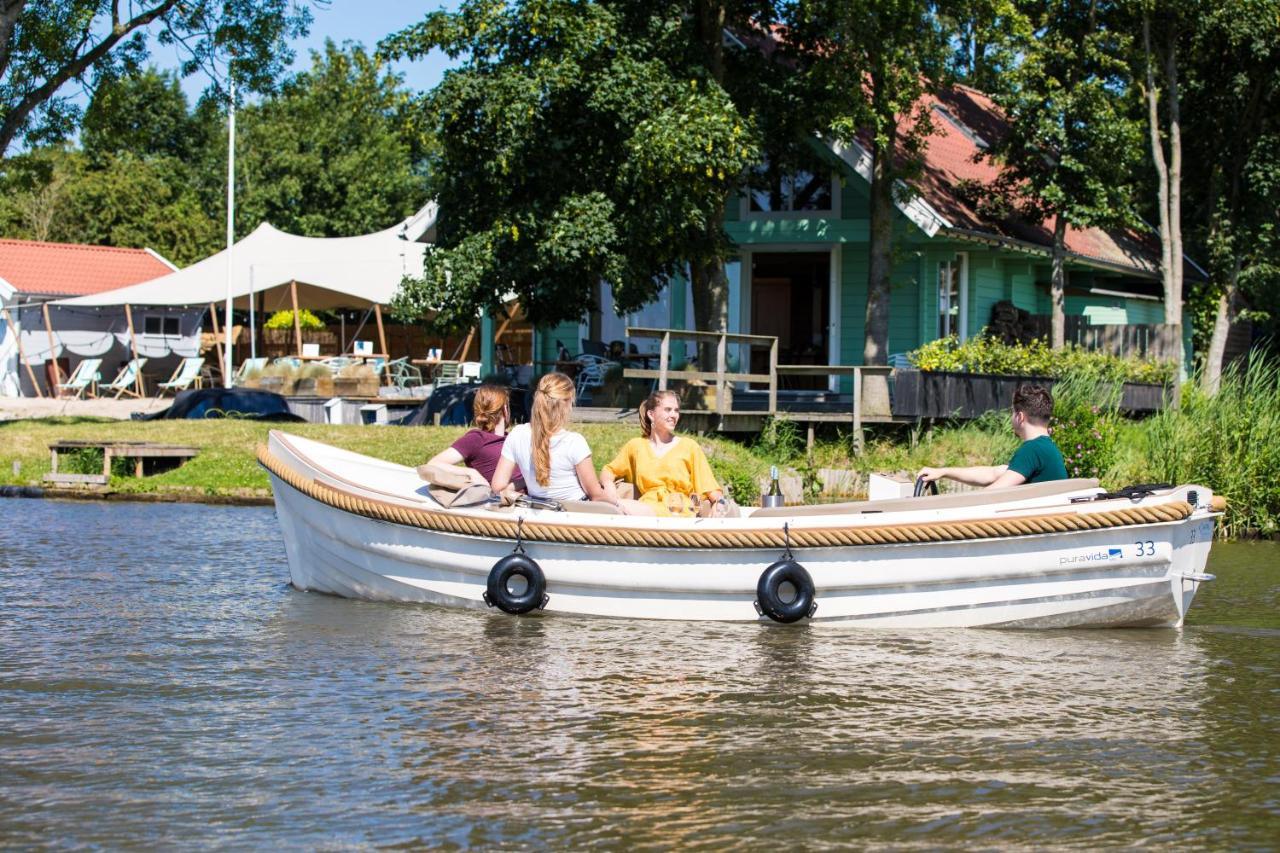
(567, 450)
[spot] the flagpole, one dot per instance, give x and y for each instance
(231, 227)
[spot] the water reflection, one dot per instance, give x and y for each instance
(161, 693)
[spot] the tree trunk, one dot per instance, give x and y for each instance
(875, 348)
(1058, 285)
(1223, 319)
(1173, 299)
(710, 288)
(1162, 171)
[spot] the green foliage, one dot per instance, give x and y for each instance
(284, 320)
(1229, 443)
(779, 440)
(1072, 142)
(55, 42)
(333, 154)
(1086, 423)
(578, 142)
(981, 354)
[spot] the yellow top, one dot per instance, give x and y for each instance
(682, 470)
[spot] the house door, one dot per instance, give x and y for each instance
(791, 300)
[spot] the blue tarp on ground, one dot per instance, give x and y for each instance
(247, 403)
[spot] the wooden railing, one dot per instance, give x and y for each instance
(722, 376)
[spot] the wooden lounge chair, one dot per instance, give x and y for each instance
(186, 374)
(80, 380)
(125, 380)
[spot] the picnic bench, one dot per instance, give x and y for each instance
(139, 451)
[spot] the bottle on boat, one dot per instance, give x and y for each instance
(774, 496)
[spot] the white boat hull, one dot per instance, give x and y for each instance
(1133, 575)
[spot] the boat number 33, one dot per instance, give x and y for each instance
(1146, 548)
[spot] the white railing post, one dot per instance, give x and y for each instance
(857, 411)
(773, 377)
(720, 369)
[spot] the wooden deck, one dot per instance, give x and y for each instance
(737, 411)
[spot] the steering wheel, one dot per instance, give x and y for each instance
(922, 485)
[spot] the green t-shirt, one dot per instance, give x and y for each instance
(1039, 460)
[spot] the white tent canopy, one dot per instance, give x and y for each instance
(328, 272)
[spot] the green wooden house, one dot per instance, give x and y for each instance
(801, 269)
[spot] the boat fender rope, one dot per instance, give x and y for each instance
(769, 600)
(498, 592)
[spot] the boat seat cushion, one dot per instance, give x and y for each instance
(451, 476)
(949, 500)
(594, 507)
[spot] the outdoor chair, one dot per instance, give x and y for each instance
(448, 373)
(126, 379)
(247, 367)
(80, 380)
(337, 362)
(591, 373)
(403, 374)
(186, 374)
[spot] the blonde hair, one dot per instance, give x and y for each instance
(552, 403)
(646, 408)
(488, 406)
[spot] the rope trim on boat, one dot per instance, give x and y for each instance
(821, 537)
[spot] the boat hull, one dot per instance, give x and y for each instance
(1129, 576)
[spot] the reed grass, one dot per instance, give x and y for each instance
(1229, 442)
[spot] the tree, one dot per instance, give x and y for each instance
(333, 154)
(580, 142)
(47, 44)
(1232, 80)
(1069, 151)
(875, 61)
(145, 114)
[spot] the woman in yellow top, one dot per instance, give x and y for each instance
(664, 468)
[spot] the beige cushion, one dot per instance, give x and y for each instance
(595, 507)
(451, 476)
(471, 495)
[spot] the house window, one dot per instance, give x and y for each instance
(797, 191)
(159, 325)
(951, 313)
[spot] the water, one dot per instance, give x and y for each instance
(157, 692)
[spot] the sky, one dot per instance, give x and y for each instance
(364, 21)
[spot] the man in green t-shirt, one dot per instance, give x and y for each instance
(1037, 460)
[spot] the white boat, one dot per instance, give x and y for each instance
(1053, 555)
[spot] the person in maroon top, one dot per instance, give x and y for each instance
(479, 448)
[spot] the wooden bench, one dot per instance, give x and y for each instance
(136, 450)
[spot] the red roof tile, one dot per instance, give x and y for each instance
(71, 269)
(969, 116)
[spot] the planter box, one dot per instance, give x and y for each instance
(316, 386)
(940, 394)
(355, 386)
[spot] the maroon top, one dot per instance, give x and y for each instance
(480, 450)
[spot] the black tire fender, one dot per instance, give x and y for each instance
(769, 601)
(498, 592)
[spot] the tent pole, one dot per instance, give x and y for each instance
(297, 321)
(57, 374)
(231, 218)
(217, 337)
(13, 330)
(382, 340)
(253, 324)
(133, 346)
(466, 345)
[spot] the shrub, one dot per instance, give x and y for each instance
(1086, 435)
(982, 354)
(284, 320)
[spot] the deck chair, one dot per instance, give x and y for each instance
(248, 366)
(186, 374)
(85, 374)
(126, 379)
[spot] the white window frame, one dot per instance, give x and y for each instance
(745, 212)
(961, 260)
(162, 318)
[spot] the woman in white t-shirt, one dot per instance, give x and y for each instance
(554, 462)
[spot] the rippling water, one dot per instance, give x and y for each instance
(161, 684)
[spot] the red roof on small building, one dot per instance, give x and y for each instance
(72, 269)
